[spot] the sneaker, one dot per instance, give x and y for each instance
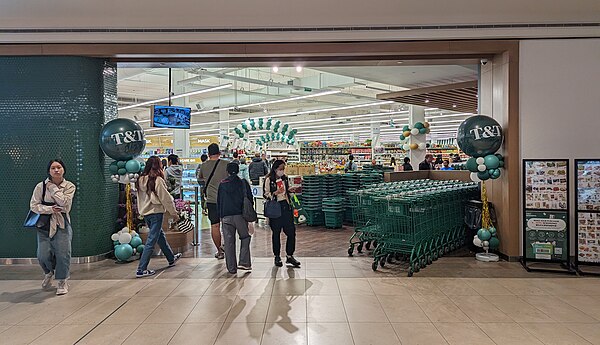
(278, 262)
(292, 261)
(146, 273)
(220, 255)
(175, 259)
(47, 282)
(244, 268)
(63, 287)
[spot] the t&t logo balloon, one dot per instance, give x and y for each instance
(122, 139)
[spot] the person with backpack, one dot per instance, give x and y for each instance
(230, 203)
(257, 169)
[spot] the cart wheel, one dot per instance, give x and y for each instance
(360, 248)
(429, 260)
(390, 259)
(374, 266)
(417, 267)
(382, 262)
(441, 253)
(368, 245)
(398, 257)
(351, 251)
(446, 250)
(423, 262)
(410, 272)
(435, 255)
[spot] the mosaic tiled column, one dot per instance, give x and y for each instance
(54, 107)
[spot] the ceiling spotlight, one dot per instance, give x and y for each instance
(426, 101)
(298, 69)
(275, 69)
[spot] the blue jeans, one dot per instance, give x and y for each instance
(54, 254)
(156, 235)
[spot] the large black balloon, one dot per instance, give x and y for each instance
(479, 136)
(122, 139)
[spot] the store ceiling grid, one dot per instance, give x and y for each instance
(323, 103)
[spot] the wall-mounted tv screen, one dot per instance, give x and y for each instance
(170, 117)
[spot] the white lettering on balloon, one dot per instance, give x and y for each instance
(486, 132)
(127, 137)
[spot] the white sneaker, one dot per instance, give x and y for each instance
(47, 282)
(63, 287)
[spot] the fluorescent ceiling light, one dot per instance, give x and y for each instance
(428, 117)
(325, 93)
(176, 97)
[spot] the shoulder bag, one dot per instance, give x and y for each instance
(248, 212)
(272, 207)
(39, 221)
(207, 183)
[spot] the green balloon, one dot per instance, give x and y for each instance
(121, 164)
(135, 241)
(472, 165)
(493, 231)
(419, 125)
(494, 243)
(495, 174)
(132, 166)
(116, 243)
(483, 175)
(123, 251)
(113, 168)
(491, 161)
(484, 234)
(423, 130)
(122, 171)
(479, 136)
(122, 139)
(405, 128)
(501, 164)
(140, 248)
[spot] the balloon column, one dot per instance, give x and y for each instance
(480, 137)
(419, 128)
(487, 236)
(123, 140)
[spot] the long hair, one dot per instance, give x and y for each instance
(273, 172)
(55, 161)
(153, 170)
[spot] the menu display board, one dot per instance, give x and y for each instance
(588, 211)
(546, 185)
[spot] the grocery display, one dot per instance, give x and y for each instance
(588, 212)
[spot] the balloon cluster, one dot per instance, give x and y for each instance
(126, 171)
(126, 244)
(487, 238)
(485, 168)
(480, 137)
(279, 132)
(419, 128)
(276, 137)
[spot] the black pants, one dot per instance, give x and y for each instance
(285, 222)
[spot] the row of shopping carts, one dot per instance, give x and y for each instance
(413, 221)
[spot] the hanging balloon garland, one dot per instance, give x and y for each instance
(407, 131)
(480, 137)
(123, 140)
(279, 132)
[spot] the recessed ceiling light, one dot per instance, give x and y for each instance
(426, 101)
(298, 69)
(453, 105)
(275, 69)
(399, 62)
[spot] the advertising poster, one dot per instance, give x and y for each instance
(546, 185)
(588, 211)
(588, 237)
(588, 185)
(546, 235)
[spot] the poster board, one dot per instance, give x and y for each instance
(546, 212)
(587, 187)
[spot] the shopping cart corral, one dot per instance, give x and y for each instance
(415, 221)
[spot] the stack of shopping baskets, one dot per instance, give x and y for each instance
(333, 208)
(312, 197)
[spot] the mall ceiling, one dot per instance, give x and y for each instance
(321, 102)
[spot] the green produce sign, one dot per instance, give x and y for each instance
(546, 235)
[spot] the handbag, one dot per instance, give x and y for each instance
(248, 212)
(39, 221)
(203, 202)
(272, 209)
(185, 225)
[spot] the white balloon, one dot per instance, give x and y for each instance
(114, 237)
(477, 241)
(124, 230)
(136, 175)
(115, 180)
(485, 243)
(474, 177)
(481, 167)
(414, 131)
(480, 160)
(126, 180)
(134, 234)
(125, 238)
(422, 146)
(131, 175)
(406, 147)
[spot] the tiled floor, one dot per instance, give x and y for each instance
(330, 300)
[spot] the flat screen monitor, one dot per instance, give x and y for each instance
(170, 117)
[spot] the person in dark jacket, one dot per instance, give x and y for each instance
(230, 203)
(427, 164)
(407, 166)
(257, 169)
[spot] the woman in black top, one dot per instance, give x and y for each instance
(277, 187)
(406, 166)
(230, 204)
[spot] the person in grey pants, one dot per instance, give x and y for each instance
(230, 204)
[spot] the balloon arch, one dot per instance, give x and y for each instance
(278, 132)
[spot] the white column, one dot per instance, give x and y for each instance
(224, 135)
(375, 138)
(416, 114)
(181, 137)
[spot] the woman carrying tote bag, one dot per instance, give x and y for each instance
(276, 188)
(54, 196)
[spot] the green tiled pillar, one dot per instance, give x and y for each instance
(54, 107)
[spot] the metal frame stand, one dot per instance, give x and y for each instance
(195, 241)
